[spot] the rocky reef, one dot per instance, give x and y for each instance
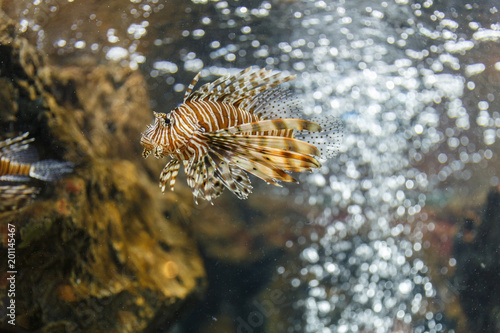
(97, 251)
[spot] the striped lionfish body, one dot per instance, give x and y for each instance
(18, 163)
(239, 123)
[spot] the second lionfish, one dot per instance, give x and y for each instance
(19, 164)
(239, 123)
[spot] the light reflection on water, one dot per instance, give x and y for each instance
(414, 82)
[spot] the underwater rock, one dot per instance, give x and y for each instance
(476, 249)
(96, 250)
(245, 232)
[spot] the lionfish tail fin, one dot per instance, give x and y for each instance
(49, 170)
(328, 140)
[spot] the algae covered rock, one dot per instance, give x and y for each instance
(95, 251)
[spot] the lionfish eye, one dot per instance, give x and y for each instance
(167, 121)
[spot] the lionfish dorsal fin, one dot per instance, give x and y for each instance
(212, 89)
(277, 158)
(191, 86)
(276, 104)
(258, 86)
(207, 88)
(238, 89)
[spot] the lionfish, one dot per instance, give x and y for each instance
(238, 123)
(18, 163)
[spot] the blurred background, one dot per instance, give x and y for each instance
(399, 233)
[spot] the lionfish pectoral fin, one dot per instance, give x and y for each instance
(250, 160)
(202, 178)
(273, 144)
(235, 179)
(328, 140)
(272, 125)
(13, 197)
(170, 171)
(281, 152)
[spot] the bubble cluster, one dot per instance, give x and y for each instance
(402, 99)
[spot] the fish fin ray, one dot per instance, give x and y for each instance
(276, 142)
(288, 159)
(328, 140)
(169, 172)
(275, 103)
(13, 197)
(235, 179)
(187, 94)
(251, 161)
(49, 170)
(238, 89)
(202, 179)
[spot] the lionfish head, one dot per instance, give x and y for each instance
(155, 138)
